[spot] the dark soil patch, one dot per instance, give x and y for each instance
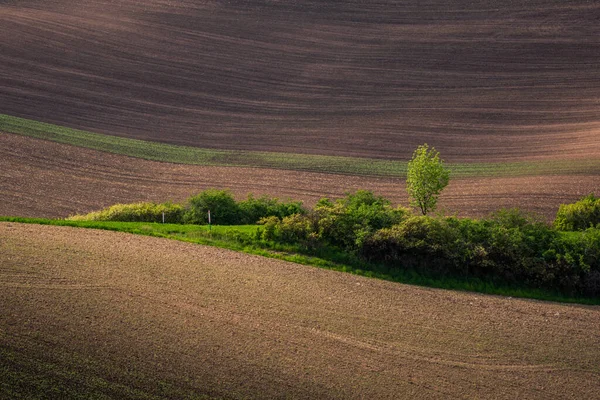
(478, 80)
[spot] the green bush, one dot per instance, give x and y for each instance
(350, 220)
(136, 212)
(270, 228)
(223, 208)
(515, 247)
(421, 243)
(579, 216)
(345, 223)
(575, 258)
(253, 209)
(515, 218)
(293, 229)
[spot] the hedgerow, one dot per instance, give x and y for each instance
(527, 253)
(224, 209)
(253, 209)
(344, 223)
(136, 212)
(508, 248)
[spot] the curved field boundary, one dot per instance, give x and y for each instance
(302, 162)
(228, 237)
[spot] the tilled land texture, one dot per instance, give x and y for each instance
(241, 326)
(46, 179)
(479, 80)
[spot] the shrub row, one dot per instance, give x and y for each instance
(224, 210)
(510, 247)
(344, 223)
(530, 254)
(223, 207)
(136, 212)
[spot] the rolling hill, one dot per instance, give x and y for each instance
(98, 314)
(479, 80)
(506, 91)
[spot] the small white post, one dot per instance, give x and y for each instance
(163, 217)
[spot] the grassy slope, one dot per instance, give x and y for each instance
(316, 163)
(241, 238)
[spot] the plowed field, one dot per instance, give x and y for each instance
(120, 311)
(46, 179)
(479, 80)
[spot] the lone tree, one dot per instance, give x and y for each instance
(426, 178)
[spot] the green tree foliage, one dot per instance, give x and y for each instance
(348, 221)
(579, 216)
(223, 208)
(253, 209)
(509, 248)
(345, 223)
(426, 178)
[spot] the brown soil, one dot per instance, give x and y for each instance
(46, 179)
(479, 80)
(241, 326)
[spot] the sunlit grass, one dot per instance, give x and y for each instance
(300, 162)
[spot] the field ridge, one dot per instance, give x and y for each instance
(288, 161)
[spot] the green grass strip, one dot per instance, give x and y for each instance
(241, 238)
(288, 161)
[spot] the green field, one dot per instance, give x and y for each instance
(288, 161)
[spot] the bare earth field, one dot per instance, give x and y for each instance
(150, 314)
(122, 316)
(47, 179)
(480, 80)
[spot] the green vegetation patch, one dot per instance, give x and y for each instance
(250, 239)
(225, 210)
(136, 212)
(288, 161)
(579, 216)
